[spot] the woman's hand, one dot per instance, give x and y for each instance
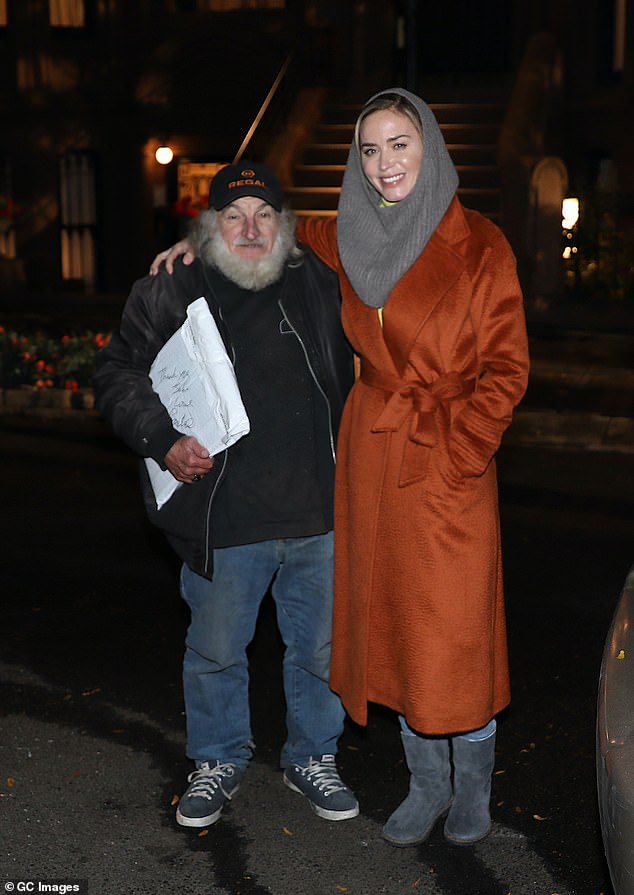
(170, 255)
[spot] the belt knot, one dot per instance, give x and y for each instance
(418, 400)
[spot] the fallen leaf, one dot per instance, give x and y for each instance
(287, 831)
(497, 773)
(341, 888)
(91, 692)
(539, 817)
(621, 655)
(175, 800)
(518, 810)
(203, 833)
(10, 781)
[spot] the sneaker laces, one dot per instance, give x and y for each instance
(322, 773)
(207, 779)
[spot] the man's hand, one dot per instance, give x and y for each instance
(170, 255)
(187, 460)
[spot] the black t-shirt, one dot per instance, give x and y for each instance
(270, 488)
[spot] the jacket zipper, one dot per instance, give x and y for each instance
(315, 380)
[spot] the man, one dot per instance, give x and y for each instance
(260, 513)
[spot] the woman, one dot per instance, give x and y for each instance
(433, 308)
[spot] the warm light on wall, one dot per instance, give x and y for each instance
(164, 155)
(569, 221)
(569, 213)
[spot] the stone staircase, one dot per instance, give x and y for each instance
(470, 129)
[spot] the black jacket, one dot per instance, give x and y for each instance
(155, 309)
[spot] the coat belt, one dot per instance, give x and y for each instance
(419, 401)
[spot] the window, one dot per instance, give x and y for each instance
(67, 13)
(194, 179)
(78, 218)
(7, 232)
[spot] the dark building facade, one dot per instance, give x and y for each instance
(89, 89)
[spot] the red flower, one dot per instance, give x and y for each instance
(188, 207)
(8, 208)
(101, 340)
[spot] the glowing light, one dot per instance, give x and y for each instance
(569, 213)
(164, 155)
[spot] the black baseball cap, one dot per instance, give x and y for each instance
(245, 179)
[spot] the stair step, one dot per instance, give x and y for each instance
(326, 153)
(315, 213)
(469, 113)
(469, 129)
(470, 133)
(469, 154)
(483, 176)
(484, 200)
(342, 113)
(452, 131)
(461, 153)
(325, 197)
(334, 133)
(318, 175)
(347, 113)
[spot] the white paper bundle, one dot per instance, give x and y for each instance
(196, 382)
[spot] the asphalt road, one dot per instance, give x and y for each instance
(91, 716)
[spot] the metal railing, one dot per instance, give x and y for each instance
(273, 92)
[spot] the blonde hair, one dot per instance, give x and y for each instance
(393, 102)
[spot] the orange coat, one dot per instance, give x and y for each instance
(419, 612)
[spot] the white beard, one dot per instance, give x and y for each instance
(251, 275)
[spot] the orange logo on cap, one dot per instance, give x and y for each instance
(248, 173)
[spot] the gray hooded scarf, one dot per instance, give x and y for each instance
(378, 244)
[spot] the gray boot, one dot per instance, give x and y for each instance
(429, 791)
(469, 818)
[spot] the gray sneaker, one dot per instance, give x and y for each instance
(211, 785)
(320, 782)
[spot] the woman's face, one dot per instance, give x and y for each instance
(391, 153)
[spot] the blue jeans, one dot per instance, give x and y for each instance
(223, 618)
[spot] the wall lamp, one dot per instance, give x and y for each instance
(164, 154)
(569, 220)
(569, 213)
